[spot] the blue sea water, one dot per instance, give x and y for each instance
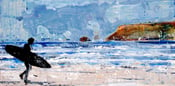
(118, 53)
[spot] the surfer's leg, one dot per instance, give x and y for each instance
(22, 74)
(26, 72)
(26, 76)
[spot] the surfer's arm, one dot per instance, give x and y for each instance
(27, 48)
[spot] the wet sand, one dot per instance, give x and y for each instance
(90, 75)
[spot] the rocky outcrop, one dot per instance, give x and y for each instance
(84, 39)
(146, 31)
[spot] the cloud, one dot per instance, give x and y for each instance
(52, 4)
(147, 10)
(61, 3)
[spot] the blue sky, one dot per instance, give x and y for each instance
(71, 19)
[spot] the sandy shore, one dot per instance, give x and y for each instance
(88, 75)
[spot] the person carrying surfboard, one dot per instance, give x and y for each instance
(27, 49)
(29, 58)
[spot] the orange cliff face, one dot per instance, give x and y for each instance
(147, 31)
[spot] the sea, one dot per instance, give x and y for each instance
(157, 55)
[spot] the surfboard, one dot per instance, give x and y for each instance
(32, 58)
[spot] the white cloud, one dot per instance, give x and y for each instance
(61, 3)
(67, 34)
(163, 9)
(105, 1)
(95, 27)
(129, 12)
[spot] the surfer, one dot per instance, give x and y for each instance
(27, 50)
(25, 55)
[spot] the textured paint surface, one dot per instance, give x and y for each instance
(94, 64)
(58, 27)
(64, 19)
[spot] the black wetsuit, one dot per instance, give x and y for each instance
(27, 51)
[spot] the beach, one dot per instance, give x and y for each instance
(90, 75)
(98, 64)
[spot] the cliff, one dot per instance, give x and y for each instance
(145, 31)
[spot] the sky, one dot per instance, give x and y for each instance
(68, 20)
